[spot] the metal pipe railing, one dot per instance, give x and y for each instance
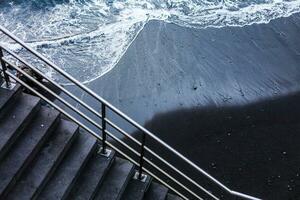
(84, 116)
(142, 158)
(92, 132)
(103, 129)
(89, 108)
(105, 104)
(179, 172)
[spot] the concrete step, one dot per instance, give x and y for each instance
(92, 176)
(16, 119)
(173, 197)
(26, 148)
(7, 98)
(63, 179)
(136, 189)
(116, 180)
(45, 163)
(156, 191)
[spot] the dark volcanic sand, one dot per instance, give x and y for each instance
(227, 98)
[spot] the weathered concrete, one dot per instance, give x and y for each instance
(156, 191)
(25, 149)
(16, 119)
(116, 180)
(49, 161)
(92, 177)
(136, 189)
(45, 163)
(6, 99)
(69, 170)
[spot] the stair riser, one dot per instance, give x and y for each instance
(148, 186)
(156, 191)
(30, 158)
(101, 181)
(8, 105)
(19, 130)
(126, 183)
(57, 162)
(65, 196)
(146, 189)
(136, 189)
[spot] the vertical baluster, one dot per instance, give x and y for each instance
(141, 176)
(103, 113)
(4, 68)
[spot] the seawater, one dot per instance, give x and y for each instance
(88, 37)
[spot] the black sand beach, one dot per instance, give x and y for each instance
(227, 98)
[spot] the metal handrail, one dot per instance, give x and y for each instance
(93, 133)
(70, 94)
(105, 104)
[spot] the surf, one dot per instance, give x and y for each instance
(88, 37)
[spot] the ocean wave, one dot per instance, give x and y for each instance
(88, 37)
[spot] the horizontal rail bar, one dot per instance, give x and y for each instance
(68, 93)
(164, 183)
(181, 173)
(54, 106)
(172, 178)
(54, 94)
(124, 116)
(146, 170)
(123, 143)
(123, 132)
(71, 107)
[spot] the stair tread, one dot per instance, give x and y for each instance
(24, 150)
(6, 95)
(15, 120)
(173, 197)
(92, 177)
(156, 191)
(136, 189)
(45, 162)
(116, 180)
(68, 171)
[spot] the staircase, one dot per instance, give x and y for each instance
(44, 156)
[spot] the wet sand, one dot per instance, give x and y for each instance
(227, 98)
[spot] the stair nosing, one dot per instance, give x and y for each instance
(22, 126)
(133, 184)
(53, 165)
(65, 193)
(101, 179)
(124, 184)
(52, 171)
(15, 92)
(29, 157)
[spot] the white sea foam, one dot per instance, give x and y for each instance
(88, 37)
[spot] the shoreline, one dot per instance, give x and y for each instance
(193, 87)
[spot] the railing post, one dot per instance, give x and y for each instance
(141, 176)
(103, 114)
(4, 68)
